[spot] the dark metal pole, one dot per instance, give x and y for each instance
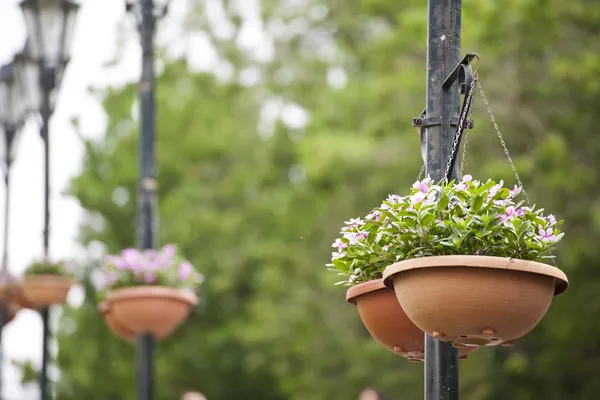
(45, 313)
(147, 189)
(4, 269)
(443, 53)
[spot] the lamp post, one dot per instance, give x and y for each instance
(13, 111)
(50, 26)
(443, 103)
(146, 13)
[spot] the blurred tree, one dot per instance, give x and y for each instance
(254, 195)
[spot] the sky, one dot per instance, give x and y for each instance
(94, 43)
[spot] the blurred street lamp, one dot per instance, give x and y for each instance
(13, 111)
(146, 14)
(50, 28)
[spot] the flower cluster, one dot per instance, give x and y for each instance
(51, 267)
(149, 267)
(465, 218)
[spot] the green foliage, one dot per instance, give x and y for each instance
(149, 267)
(469, 218)
(49, 267)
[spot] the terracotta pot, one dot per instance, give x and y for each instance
(113, 325)
(151, 309)
(13, 309)
(387, 322)
(45, 290)
(7, 292)
(475, 300)
(19, 298)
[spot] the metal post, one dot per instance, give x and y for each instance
(147, 190)
(4, 269)
(443, 53)
(46, 84)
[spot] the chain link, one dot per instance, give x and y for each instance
(510, 161)
(420, 176)
(464, 153)
(461, 122)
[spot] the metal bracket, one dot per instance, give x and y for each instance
(424, 122)
(464, 74)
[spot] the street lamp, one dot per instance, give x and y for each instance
(50, 27)
(146, 13)
(13, 111)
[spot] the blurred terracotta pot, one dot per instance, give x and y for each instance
(475, 300)
(13, 309)
(7, 292)
(42, 291)
(387, 322)
(158, 310)
(19, 298)
(113, 325)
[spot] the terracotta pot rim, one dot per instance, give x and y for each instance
(364, 288)
(151, 291)
(61, 278)
(561, 282)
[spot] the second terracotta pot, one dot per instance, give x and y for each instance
(387, 322)
(158, 310)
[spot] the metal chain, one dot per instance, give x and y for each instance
(464, 153)
(420, 176)
(461, 122)
(510, 161)
(512, 164)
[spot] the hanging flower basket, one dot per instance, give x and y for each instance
(46, 283)
(148, 292)
(387, 322)
(463, 259)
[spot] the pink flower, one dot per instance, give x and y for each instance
(417, 198)
(495, 189)
(514, 191)
(510, 211)
(339, 244)
(375, 214)
(394, 198)
(131, 256)
(353, 223)
(169, 251)
(149, 277)
(546, 235)
(551, 220)
(185, 270)
(423, 185)
(467, 178)
(521, 212)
